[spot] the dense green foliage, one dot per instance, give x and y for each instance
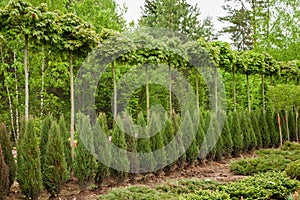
(55, 167)
(4, 176)
(262, 186)
(6, 145)
(29, 174)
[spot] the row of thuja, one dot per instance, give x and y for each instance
(45, 160)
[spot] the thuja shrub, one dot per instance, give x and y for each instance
(102, 148)
(55, 171)
(254, 117)
(4, 176)
(85, 165)
(45, 127)
(146, 163)
(236, 133)
(29, 174)
(119, 158)
(7, 152)
(265, 132)
(65, 135)
(227, 139)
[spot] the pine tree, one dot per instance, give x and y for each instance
(7, 152)
(102, 149)
(67, 147)
(85, 164)
(55, 171)
(120, 162)
(29, 174)
(147, 163)
(237, 134)
(4, 176)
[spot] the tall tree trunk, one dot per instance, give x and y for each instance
(216, 90)
(297, 127)
(43, 83)
(263, 92)
(17, 99)
(147, 96)
(287, 125)
(115, 90)
(9, 99)
(248, 89)
(26, 78)
(234, 90)
(170, 91)
(72, 106)
(279, 127)
(197, 90)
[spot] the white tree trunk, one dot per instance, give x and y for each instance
(147, 96)
(26, 79)
(43, 83)
(17, 99)
(72, 125)
(115, 90)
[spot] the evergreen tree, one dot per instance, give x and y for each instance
(65, 135)
(7, 152)
(29, 174)
(85, 164)
(245, 130)
(192, 151)
(4, 176)
(157, 142)
(265, 130)
(171, 148)
(46, 125)
(201, 138)
(274, 135)
(119, 159)
(256, 128)
(253, 140)
(55, 171)
(237, 134)
(227, 139)
(102, 148)
(292, 124)
(144, 146)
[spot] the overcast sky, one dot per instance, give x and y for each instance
(207, 7)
